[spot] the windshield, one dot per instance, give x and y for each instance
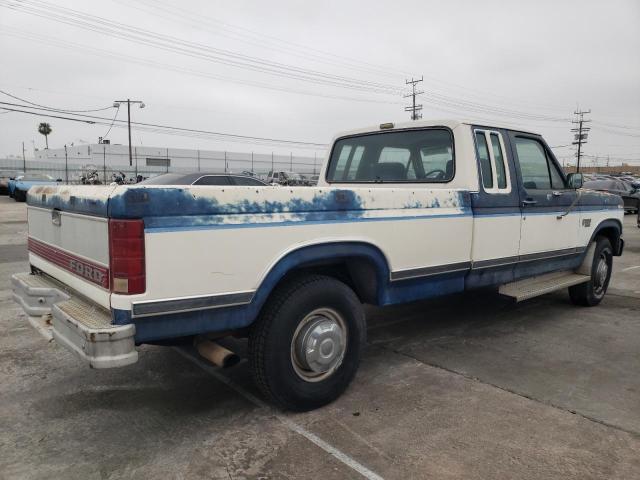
(403, 156)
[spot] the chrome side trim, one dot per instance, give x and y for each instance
(428, 271)
(189, 304)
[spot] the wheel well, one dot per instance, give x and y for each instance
(612, 234)
(359, 273)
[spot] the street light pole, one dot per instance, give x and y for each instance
(128, 101)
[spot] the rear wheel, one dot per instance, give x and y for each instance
(305, 348)
(592, 292)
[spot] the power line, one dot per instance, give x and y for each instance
(70, 111)
(50, 41)
(157, 128)
(252, 37)
(188, 48)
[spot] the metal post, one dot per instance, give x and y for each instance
(167, 160)
(291, 161)
(225, 161)
(198, 159)
(252, 162)
(314, 162)
(104, 163)
(66, 166)
(271, 163)
(129, 128)
(135, 152)
(24, 160)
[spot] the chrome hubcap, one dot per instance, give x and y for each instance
(600, 275)
(319, 344)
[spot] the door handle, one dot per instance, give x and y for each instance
(556, 193)
(529, 202)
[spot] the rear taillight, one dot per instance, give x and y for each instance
(126, 256)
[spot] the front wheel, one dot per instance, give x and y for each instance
(305, 348)
(592, 292)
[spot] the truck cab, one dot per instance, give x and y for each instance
(401, 212)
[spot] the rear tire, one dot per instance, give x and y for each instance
(20, 196)
(591, 293)
(305, 348)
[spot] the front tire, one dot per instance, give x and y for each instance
(305, 348)
(591, 293)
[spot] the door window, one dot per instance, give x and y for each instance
(539, 172)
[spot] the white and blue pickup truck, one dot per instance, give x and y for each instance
(401, 213)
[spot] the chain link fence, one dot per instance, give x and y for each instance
(108, 164)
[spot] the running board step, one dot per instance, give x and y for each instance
(535, 286)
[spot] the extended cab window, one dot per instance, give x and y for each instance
(405, 156)
(491, 156)
(539, 172)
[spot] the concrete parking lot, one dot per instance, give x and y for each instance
(467, 386)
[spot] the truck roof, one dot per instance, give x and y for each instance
(450, 123)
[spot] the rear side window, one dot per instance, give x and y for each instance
(404, 156)
(496, 148)
(485, 160)
(213, 180)
(493, 162)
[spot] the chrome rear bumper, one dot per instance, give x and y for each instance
(79, 325)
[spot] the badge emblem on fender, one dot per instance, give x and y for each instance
(586, 222)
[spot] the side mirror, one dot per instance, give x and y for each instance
(575, 180)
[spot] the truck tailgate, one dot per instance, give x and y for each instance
(69, 237)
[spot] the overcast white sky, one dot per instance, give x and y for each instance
(540, 58)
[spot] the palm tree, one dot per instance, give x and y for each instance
(45, 129)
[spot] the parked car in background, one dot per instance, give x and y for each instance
(4, 180)
(18, 187)
(630, 195)
(285, 178)
(199, 178)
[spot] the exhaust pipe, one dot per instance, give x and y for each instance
(215, 353)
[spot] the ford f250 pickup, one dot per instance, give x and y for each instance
(401, 213)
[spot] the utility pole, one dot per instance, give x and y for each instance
(24, 160)
(66, 166)
(580, 133)
(291, 161)
(117, 103)
(414, 109)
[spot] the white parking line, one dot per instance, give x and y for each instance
(630, 268)
(290, 424)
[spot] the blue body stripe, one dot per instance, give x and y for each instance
(195, 224)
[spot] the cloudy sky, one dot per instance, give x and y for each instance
(303, 70)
